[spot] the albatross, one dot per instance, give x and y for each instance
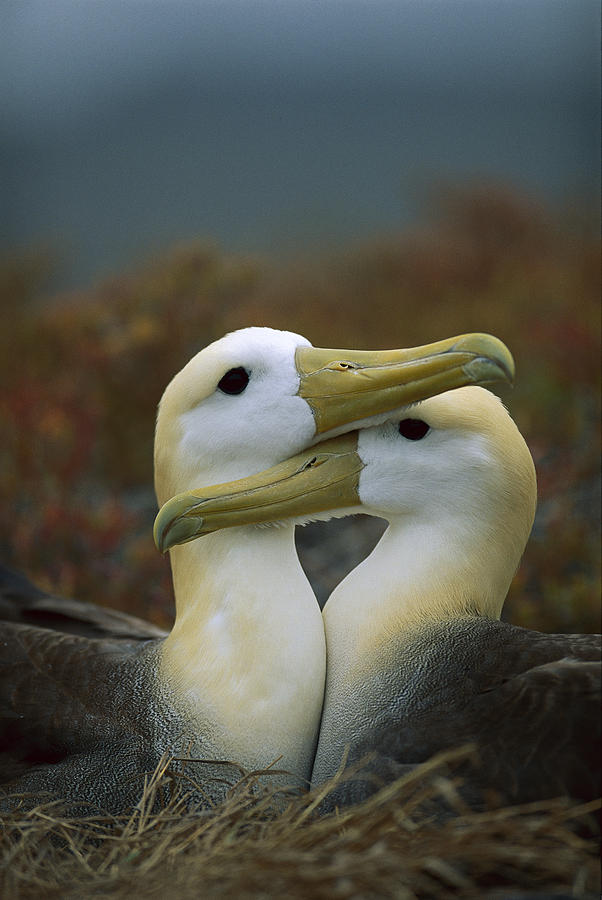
(418, 659)
(240, 677)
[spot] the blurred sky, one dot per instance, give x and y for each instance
(280, 126)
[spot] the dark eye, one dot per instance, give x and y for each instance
(413, 429)
(234, 381)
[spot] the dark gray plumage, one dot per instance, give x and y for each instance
(529, 702)
(82, 716)
(70, 671)
(23, 603)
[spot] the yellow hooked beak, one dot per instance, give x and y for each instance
(318, 479)
(343, 386)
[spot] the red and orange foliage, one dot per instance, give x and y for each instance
(82, 374)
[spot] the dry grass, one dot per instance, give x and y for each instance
(263, 843)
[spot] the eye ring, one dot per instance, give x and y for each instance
(234, 381)
(413, 429)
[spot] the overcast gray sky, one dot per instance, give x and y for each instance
(62, 56)
(107, 104)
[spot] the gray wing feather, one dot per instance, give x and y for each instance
(24, 603)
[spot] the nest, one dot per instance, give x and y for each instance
(266, 842)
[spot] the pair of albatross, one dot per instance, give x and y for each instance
(417, 659)
(241, 675)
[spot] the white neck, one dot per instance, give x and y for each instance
(416, 574)
(247, 651)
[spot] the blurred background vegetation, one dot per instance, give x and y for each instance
(82, 376)
(369, 174)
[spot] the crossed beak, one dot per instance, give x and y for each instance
(342, 387)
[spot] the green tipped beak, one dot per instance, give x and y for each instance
(344, 386)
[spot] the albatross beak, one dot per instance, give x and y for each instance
(321, 478)
(343, 386)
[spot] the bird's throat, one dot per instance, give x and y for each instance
(247, 649)
(413, 578)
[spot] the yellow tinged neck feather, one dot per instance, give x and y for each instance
(456, 562)
(246, 656)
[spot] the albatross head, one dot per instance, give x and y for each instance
(458, 456)
(258, 396)
(232, 410)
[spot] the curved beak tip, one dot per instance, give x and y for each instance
(159, 538)
(492, 362)
(482, 370)
(179, 529)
